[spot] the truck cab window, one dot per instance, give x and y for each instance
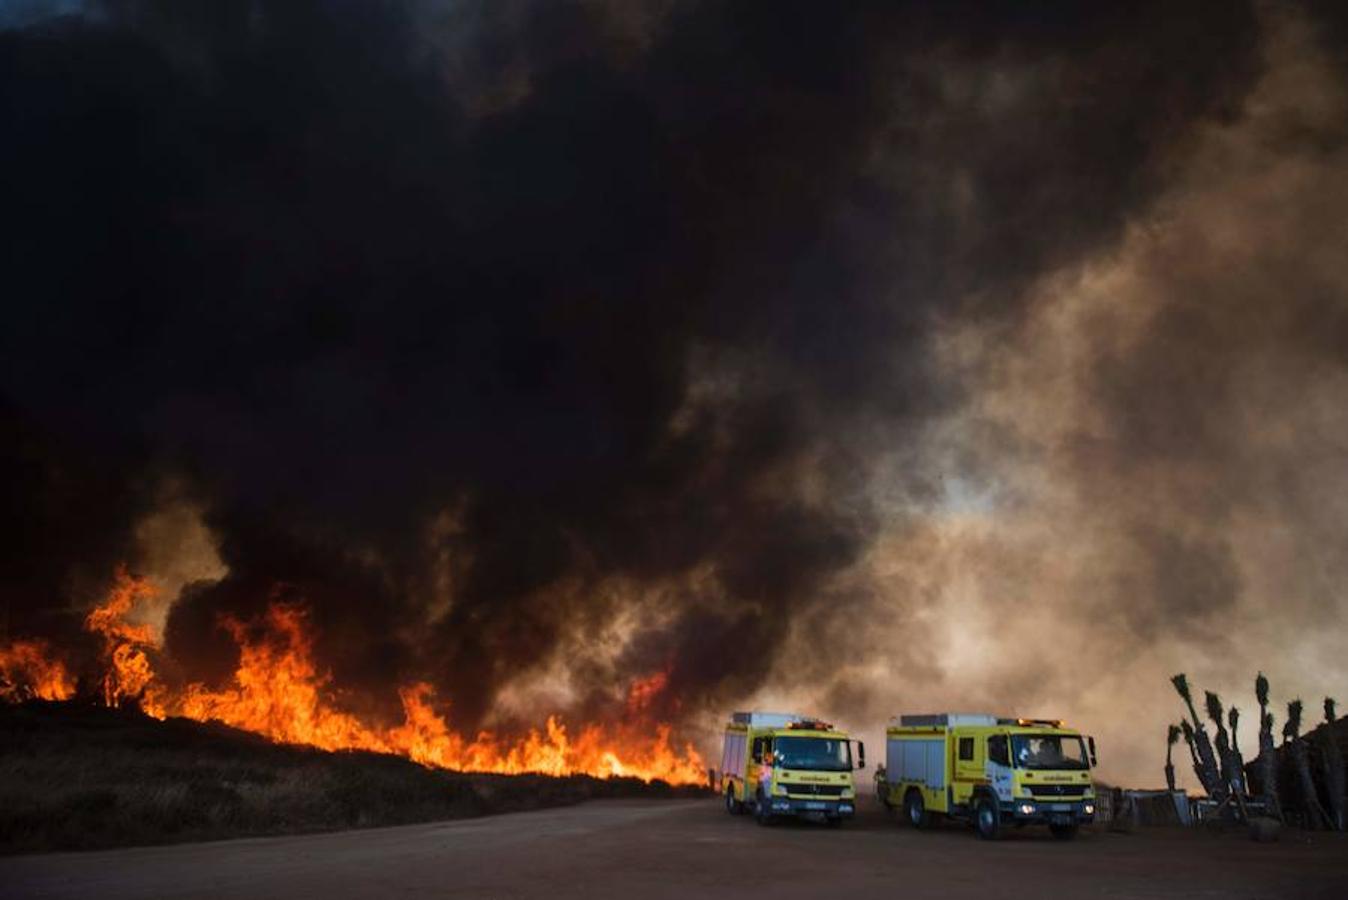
(966, 748)
(816, 753)
(998, 751)
(1050, 751)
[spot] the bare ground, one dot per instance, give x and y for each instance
(656, 849)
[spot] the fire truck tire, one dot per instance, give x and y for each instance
(987, 817)
(915, 809)
(1063, 832)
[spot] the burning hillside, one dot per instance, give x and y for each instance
(82, 775)
(278, 691)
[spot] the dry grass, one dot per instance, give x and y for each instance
(79, 777)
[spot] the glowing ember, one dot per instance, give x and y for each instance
(277, 691)
(28, 673)
(644, 691)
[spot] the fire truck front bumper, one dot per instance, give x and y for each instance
(812, 807)
(1050, 812)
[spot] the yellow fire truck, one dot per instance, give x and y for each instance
(781, 764)
(990, 771)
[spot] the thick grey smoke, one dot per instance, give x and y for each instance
(1146, 473)
(861, 358)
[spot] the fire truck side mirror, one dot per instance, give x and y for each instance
(1090, 745)
(861, 754)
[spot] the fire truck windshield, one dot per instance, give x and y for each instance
(821, 754)
(1049, 751)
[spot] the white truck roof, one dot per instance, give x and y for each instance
(949, 720)
(755, 719)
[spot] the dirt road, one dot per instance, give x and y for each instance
(655, 849)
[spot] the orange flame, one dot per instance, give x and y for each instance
(129, 674)
(278, 691)
(28, 673)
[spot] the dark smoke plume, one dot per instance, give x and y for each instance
(484, 327)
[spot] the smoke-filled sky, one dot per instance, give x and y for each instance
(863, 358)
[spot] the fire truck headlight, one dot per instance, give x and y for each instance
(1089, 809)
(1027, 809)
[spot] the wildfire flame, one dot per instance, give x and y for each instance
(278, 691)
(128, 674)
(27, 672)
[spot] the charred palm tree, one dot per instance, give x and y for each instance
(1208, 773)
(1181, 683)
(1237, 758)
(1315, 816)
(1268, 769)
(1172, 736)
(1216, 713)
(1268, 754)
(1188, 731)
(1331, 767)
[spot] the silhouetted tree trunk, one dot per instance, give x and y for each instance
(1193, 753)
(1209, 775)
(1171, 737)
(1268, 768)
(1215, 712)
(1315, 814)
(1331, 762)
(1268, 755)
(1237, 759)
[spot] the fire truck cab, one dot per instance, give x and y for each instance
(783, 764)
(990, 771)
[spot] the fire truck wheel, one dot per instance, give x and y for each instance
(987, 817)
(1063, 832)
(916, 809)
